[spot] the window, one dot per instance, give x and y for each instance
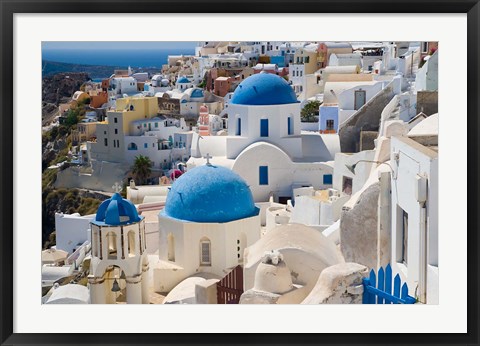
(112, 245)
(263, 127)
(307, 59)
(145, 145)
(330, 124)
(105, 141)
(327, 179)
(115, 120)
(205, 255)
(95, 243)
(156, 124)
(239, 127)
(263, 175)
(347, 185)
(171, 247)
(116, 131)
(132, 146)
(131, 243)
(404, 241)
(290, 125)
(424, 47)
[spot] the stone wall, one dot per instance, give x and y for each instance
(358, 229)
(427, 102)
(366, 118)
(367, 139)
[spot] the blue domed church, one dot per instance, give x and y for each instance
(265, 144)
(208, 220)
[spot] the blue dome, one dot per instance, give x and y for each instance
(197, 93)
(263, 89)
(116, 211)
(183, 80)
(210, 194)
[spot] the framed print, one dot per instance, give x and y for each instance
(279, 174)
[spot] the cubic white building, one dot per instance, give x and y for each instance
(72, 230)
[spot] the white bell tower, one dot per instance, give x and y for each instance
(119, 265)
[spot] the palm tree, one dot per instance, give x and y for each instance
(142, 168)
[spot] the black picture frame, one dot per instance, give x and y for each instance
(7, 175)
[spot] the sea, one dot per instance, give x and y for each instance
(114, 57)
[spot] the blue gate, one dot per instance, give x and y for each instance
(380, 292)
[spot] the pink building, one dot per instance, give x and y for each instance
(222, 86)
(204, 122)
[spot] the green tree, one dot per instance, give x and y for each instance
(309, 111)
(142, 168)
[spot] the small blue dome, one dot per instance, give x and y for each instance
(197, 93)
(116, 211)
(210, 194)
(263, 89)
(183, 80)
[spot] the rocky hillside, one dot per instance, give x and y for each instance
(61, 86)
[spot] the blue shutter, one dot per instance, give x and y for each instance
(263, 127)
(327, 179)
(263, 175)
(290, 127)
(239, 127)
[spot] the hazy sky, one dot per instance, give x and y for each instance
(48, 45)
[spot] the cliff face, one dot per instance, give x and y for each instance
(61, 86)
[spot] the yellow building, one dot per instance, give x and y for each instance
(110, 143)
(84, 132)
(307, 58)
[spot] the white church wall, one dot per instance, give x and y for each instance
(225, 238)
(277, 116)
(283, 174)
(280, 174)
